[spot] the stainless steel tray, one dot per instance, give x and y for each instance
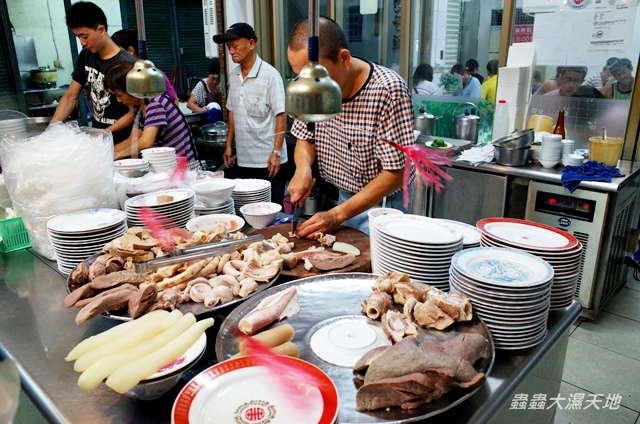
(194, 307)
(326, 297)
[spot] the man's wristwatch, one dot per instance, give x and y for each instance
(277, 152)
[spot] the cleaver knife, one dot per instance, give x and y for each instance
(296, 213)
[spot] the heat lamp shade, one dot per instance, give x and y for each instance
(145, 81)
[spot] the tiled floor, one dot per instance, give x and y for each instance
(603, 358)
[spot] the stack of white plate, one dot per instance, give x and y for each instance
(162, 159)
(179, 210)
(131, 166)
(560, 248)
(14, 127)
(225, 208)
(470, 234)
(250, 191)
(77, 235)
(510, 291)
(416, 245)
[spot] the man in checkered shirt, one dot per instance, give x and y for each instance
(350, 148)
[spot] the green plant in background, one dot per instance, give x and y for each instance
(444, 110)
(450, 82)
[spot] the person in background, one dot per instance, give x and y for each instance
(128, 40)
(620, 87)
(257, 119)
(572, 77)
(89, 24)
(158, 121)
(600, 79)
(350, 149)
(473, 66)
(471, 87)
(490, 85)
(536, 82)
(207, 90)
(422, 80)
(552, 84)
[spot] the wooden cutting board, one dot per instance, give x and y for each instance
(342, 233)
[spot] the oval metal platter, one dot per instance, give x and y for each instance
(193, 307)
(327, 297)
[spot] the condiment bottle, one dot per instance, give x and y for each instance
(500, 120)
(559, 129)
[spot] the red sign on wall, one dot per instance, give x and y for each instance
(522, 33)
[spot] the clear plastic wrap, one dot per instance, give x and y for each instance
(66, 168)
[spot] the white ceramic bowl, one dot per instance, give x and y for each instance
(232, 223)
(572, 159)
(548, 163)
(213, 191)
(164, 380)
(260, 214)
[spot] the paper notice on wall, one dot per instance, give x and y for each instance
(607, 30)
(550, 35)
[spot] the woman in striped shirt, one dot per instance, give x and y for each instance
(158, 121)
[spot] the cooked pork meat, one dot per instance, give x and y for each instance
(142, 300)
(429, 315)
(386, 282)
(81, 292)
(167, 299)
(111, 302)
(408, 376)
(115, 263)
(117, 278)
(259, 273)
(98, 268)
(79, 275)
(467, 346)
(396, 326)
(219, 294)
(457, 306)
(328, 261)
(377, 304)
(402, 290)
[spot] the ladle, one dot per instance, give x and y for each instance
(313, 96)
(144, 80)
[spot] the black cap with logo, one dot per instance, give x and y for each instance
(235, 31)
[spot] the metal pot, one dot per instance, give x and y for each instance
(424, 122)
(466, 127)
(215, 133)
(44, 75)
(516, 140)
(512, 157)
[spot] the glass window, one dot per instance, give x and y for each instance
(582, 67)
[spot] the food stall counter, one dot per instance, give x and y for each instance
(38, 332)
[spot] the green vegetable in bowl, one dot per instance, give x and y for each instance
(438, 143)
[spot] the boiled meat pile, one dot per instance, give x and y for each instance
(409, 374)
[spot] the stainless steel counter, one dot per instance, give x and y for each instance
(38, 332)
(535, 171)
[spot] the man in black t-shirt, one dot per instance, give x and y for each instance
(89, 24)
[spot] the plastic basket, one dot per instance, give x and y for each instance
(14, 235)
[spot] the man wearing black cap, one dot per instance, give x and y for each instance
(257, 119)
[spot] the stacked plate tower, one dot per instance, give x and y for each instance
(250, 191)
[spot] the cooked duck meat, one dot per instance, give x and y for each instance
(429, 315)
(111, 302)
(386, 282)
(396, 326)
(116, 278)
(377, 304)
(142, 300)
(79, 275)
(408, 376)
(328, 261)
